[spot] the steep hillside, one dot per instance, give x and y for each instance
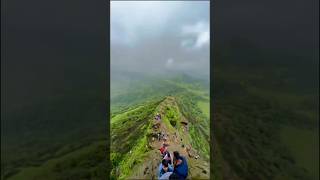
(135, 145)
(38, 132)
(266, 120)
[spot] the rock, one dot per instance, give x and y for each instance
(145, 170)
(204, 171)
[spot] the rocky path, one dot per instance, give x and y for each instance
(177, 140)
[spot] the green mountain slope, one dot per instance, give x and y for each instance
(134, 143)
(39, 132)
(266, 120)
(134, 149)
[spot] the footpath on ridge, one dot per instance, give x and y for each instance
(176, 133)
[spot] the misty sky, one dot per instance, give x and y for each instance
(155, 36)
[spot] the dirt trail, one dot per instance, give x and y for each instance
(198, 168)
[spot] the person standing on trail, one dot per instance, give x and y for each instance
(167, 157)
(164, 167)
(163, 150)
(165, 137)
(180, 165)
(157, 117)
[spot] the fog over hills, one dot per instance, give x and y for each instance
(160, 37)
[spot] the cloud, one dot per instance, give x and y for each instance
(133, 21)
(169, 63)
(156, 36)
(196, 35)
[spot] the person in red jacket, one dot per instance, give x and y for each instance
(163, 149)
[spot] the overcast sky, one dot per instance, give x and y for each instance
(155, 36)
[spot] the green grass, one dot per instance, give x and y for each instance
(133, 158)
(199, 141)
(132, 112)
(84, 163)
(132, 109)
(304, 146)
(199, 124)
(36, 132)
(251, 107)
(124, 115)
(205, 108)
(195, 89)
(171, 118)
(128, 133)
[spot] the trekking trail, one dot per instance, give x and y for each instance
(177, 138)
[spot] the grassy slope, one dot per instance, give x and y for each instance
(205, 108)
(254, 119)
(36, 133)
(128, 132)
(90, 161)
(304, 146)
(188, 95)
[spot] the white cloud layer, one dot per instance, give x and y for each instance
(145, 33)
(201, 33)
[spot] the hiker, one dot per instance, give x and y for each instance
(180, 165)
(165, 137)
(163, 149)
(167, 156)
(164, 167)
(175, 137)
(158, 117)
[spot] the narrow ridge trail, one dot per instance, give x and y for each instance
(177, 139)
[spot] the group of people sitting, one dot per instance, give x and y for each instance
(162, 136)
(176, 168)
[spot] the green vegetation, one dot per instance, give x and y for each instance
(266, 122)
(73, 145)
(200, 129)
(36, 137)
(128, 139)
(84, 163)
(304, 146)
(130, 124)
(204, 106)
(171, 118)
(133, 158)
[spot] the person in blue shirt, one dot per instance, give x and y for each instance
(180, 165)
(164, 167)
